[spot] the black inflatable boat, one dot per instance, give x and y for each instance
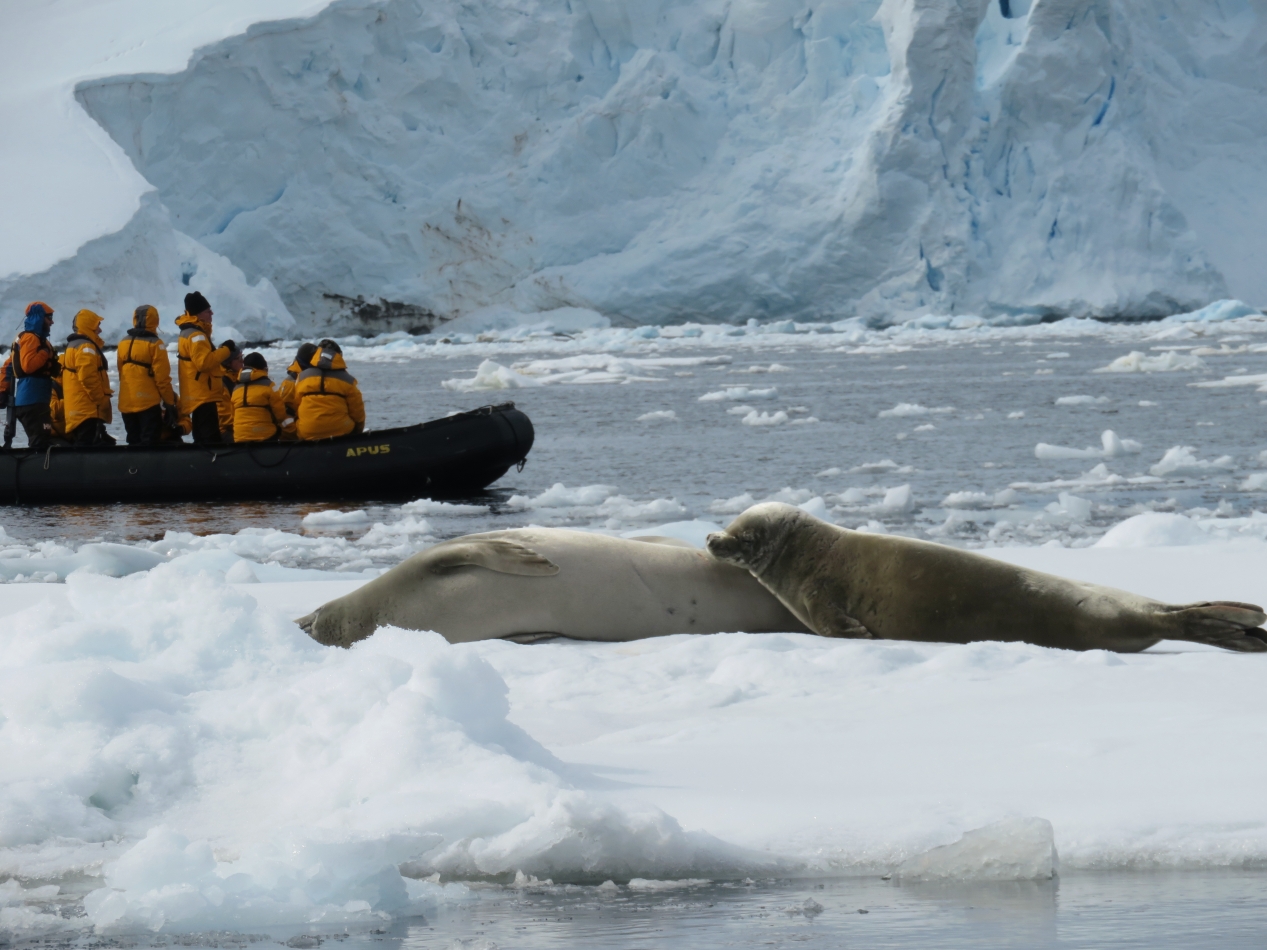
(456, 455)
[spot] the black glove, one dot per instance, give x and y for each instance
(231, 346)
(171, 418)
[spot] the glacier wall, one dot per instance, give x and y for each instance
(391, 164)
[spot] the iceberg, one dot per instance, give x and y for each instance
(388, 166)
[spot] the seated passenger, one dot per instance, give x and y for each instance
(329, 400)
(147, 400)
(34, 363)
(224, 397)
(259, 415)
(86, 383)
(287, 388)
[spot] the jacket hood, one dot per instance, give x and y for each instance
(34, 323)
(145, 317)
(87, 323)
(328, 358)
(188, 320)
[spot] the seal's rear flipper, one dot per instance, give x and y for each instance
(1223, 623)
(494, 554)
(306, 623)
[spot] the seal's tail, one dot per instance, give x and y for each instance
(1223, 623)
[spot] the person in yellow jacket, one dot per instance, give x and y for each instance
(86, 383)
(224, 399)
(57, 407)
(287, 387)
(329, 400)
(201, 370)
(147, 400)
(259, 415)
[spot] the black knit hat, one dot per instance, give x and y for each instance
(255, 361)
(196, 303)
(305, 354)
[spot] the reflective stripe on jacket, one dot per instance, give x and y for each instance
(329, 400)
(201, 371)
(258, 410)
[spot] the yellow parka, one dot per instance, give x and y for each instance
(224, 400)
(145, 373)
(286, 389)
(86, 374)
(258, 410)
(329, 400)
(201, 365)
(57, 408)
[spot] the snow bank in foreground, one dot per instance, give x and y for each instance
(221, 770)
(210, 767)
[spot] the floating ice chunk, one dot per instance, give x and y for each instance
(1216, 312)
(926, 427)
(739, 410)
(967, 499)
(1110, 447)
(1006, 497)
(1256, 481)
(1016, 849)
(425, 506)
(1056, 356)
(755, 418)
(732, 506)
(112, 560)
(1018, 414)
(1072, 506)
(559, 495)
(876, 468)
(490, 375)
(903, 409)
(1229, 382)
(1137, 362)
(735, 393)
(645, 885)
(660, 415)
(335, 517)
(772, 368)
(816, 507)
(1180, 460)
(1082, 400)
(1154, 529)
(898, 500)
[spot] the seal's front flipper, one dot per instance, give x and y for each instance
(494, 554)
(828, 620)
(1222, 623)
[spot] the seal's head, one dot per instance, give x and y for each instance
(339, 623)
(754, 539)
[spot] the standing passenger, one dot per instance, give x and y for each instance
(86, 383)
(287, 388)
(329, 400)
(259, 415)
(147, 401)
(201, 370)
(34, 363)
